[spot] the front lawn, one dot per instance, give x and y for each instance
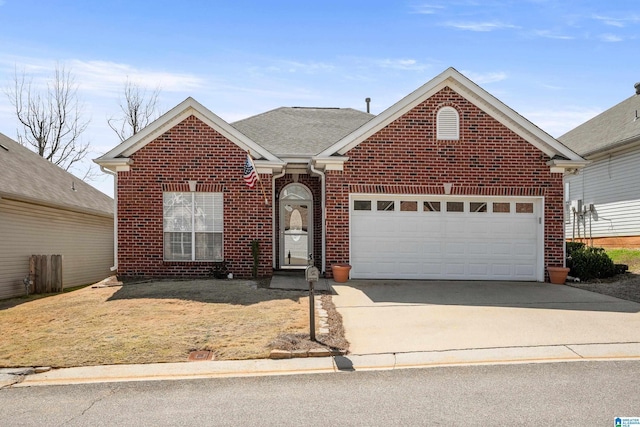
(630, 257)
(160, 321)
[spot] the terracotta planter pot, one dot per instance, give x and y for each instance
(340, 272)
(558, 275)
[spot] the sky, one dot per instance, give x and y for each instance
(557, 63)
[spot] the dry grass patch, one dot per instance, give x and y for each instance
(149, 322)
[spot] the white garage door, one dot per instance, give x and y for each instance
(455, 238)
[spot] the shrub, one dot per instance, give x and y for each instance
(590, 263)
(574, 246)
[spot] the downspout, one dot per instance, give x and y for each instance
(273, 216)
(324, 232)
(115, 216)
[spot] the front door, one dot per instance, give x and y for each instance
(296, 228)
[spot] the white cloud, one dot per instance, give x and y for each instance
(110, 76)
(401, 64)
(618, 22)
(426, 9)
(557, 122)
(104, 77)
(483, 78)
(479, 26)
(550, 35)
(610, 38)
(297, 67)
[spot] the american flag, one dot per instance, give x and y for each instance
(250, 174)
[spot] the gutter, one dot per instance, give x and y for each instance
(322, 216)
(115, 215)
(273, 215)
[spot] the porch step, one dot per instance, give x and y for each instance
(294, 280)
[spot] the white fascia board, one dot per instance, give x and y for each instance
(568, 166)
(176, 115)
(332, 163)
(268, 167)
(120, 164)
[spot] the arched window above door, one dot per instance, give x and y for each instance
(295, 192)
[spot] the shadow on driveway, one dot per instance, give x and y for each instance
(489, 294)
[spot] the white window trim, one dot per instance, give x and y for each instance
(193, 230)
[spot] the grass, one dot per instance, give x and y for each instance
(631, 257)
(149, 322)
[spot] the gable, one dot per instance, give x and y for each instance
(452, 80)
(119, 157)
(409, 149)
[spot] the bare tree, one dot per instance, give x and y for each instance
(51, 120)
(139, 108)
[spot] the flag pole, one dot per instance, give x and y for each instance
(264, 194)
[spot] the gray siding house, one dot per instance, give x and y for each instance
(603, 199)
(44, 210)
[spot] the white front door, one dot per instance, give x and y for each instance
(296, 226)
(455, 238)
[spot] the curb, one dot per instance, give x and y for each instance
(333, 364)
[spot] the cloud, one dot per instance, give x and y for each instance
(401, 64)
(104, 77)
(110, 76)
(424, 9)
(610, 38)
(550, 35)
(483, 78)
(479, 26)
(557, 122)
(291, 67)
(618, 22)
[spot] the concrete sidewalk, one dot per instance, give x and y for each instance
(385, 361)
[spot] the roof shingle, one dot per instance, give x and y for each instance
(24, 175)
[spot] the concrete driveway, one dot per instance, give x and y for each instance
(419, 316)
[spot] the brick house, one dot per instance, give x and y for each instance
(448, 183)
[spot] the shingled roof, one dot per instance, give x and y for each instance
(301, 131)
(611, 129)
(26, 176)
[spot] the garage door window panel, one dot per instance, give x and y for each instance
(524, 207)
(477, 207)
(408, 206)
(431, 206)
(385, 205)
(501, 207)
(455, 206)
(362, 205)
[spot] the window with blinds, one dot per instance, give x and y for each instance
(193, 226)
(448, 124)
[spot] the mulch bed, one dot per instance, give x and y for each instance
(625, 286)
(334, 340)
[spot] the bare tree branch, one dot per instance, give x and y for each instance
(51, 120)
(138, 109)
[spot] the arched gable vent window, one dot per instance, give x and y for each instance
(448, 123)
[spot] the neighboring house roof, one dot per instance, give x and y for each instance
(301, 131)
(473, 93)
(28, 177)
(612, 129)
(119, 156)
